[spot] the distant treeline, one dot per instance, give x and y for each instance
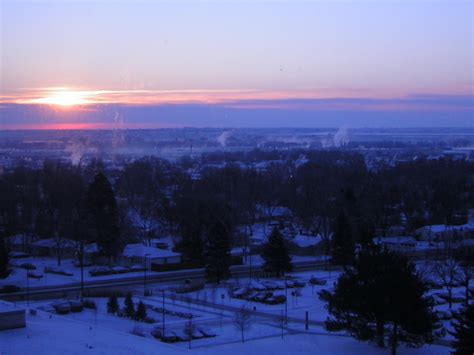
(152, 197)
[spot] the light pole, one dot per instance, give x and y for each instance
(286, 300)
(27, 289)
(81, 263)
(163, 325)
(250, 263)
(144, 277)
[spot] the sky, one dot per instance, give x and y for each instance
(140, 64)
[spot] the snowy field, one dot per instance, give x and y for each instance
(213, 308)
(62, 335)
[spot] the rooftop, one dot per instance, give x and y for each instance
(139, 250)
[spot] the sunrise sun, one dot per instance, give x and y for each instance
(64, 99)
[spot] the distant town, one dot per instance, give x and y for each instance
(203, 237)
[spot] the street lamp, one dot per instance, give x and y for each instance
(250, 263)
(163, 325)
(81, 263)
(27, 289)
(286, 300)
(144, 277)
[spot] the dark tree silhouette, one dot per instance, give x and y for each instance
(102, 207)
(463, 325)
(342, 240)
(112, 304)
(381, 289)
(3, 259)
(465, 258)
(140, 314)
(217, 253)
(129, 308)
(275, 254)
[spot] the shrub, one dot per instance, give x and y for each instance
(112, 304)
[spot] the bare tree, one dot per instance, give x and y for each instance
(242, 320)
(465, 257)
(465, 276)
(448, 273)
(326, 233)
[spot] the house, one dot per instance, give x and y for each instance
(400, 243)
(135, 254)
(52, 246)
(11, 317)
(441, 232)
(304, 244)
(19, 242)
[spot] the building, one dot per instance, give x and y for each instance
(399, 244)
(442, 232)
(11, 317)
(135, 254)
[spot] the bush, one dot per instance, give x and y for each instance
(129, 308)
(140, 314)
(112, 304)
(90, 304)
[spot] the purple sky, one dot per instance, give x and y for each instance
(80, 64)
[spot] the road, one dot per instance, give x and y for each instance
(55, 291)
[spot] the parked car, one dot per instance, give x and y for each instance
(315, 281)
(61, 307)
(35, 275)
(76, 306)
(100, 271)
(27, 266)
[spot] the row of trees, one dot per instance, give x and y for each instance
(329, 193)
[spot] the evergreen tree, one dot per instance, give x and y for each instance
(129, 308)
(342, 241)
(141, 311)
(112, 304)
(217, 253)
(463, 325)
(102, 207)
(3, 259)
(381, 289)
(275, 254)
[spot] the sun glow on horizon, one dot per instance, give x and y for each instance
(65, 98)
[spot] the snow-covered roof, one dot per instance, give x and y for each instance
(395, 240)
(305, 241)
(8, 307)
(52, 242)
(91, 248)
(140, 250)
(440, 228)
(17, 239)
(237, 251)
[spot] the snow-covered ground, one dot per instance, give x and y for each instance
(62, 335)
(101, 333)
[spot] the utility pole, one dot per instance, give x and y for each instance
(81, 262)
(163, 332)
(250, 264)
(144, 277)
(27, 289)
(286, 300)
